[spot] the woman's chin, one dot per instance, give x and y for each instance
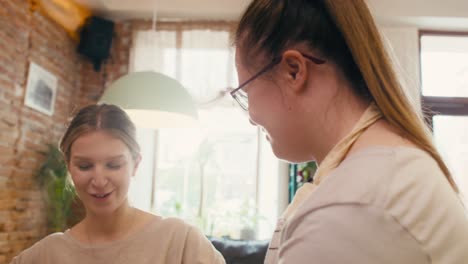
(102, 210)
(279, 152)
(288, 156)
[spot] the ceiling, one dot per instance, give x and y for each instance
(168, 9)
(431, 14)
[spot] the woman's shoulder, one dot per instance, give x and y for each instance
(173, 231)
(379, 175)
(183, 237)
(169, 225)
(56, 237)
(388, 154)
(384, 165)
(408, 185)
(394, 173)
(50, 240)
(37, 251)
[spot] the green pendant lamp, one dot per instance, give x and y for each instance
(152, 100)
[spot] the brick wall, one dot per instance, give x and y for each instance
(24, 133)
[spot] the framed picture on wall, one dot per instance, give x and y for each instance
(41, 89)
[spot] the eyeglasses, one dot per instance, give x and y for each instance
(241, 96)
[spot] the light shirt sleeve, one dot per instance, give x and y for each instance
(349, 233)
(199, 250)
(30, 255)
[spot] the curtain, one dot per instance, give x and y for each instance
(201, 59)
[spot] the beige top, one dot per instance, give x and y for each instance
(162, 241)
(380, 205)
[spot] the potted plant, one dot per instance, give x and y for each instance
(58, 192)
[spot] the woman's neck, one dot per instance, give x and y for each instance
(338, 123)
(100, 228)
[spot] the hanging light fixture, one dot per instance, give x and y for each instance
(152, 99)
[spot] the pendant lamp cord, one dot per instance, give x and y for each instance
(154, 14)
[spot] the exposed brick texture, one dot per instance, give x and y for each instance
(27, 36)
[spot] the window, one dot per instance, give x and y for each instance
(444, 72)
(213, 175)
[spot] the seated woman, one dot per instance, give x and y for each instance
(102, 156)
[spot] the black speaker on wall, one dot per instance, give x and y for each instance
(96, 39)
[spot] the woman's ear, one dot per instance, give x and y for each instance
(296, 71)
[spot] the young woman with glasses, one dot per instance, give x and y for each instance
(315, 76)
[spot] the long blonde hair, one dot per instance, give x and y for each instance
(344, 32)
(355, 21)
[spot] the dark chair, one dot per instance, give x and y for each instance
(241, 251)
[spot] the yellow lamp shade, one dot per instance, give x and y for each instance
(152, 100)
(67, 13)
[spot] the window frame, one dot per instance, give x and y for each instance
(438, 105)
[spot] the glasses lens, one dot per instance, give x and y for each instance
(242, 99)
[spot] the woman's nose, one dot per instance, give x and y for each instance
(99, 178)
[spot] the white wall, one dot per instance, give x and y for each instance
(450, 12)
(424, 14)
(420, 8)
(403, 46)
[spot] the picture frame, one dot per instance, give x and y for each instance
(41, 89)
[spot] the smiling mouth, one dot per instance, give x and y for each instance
(101, 196)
